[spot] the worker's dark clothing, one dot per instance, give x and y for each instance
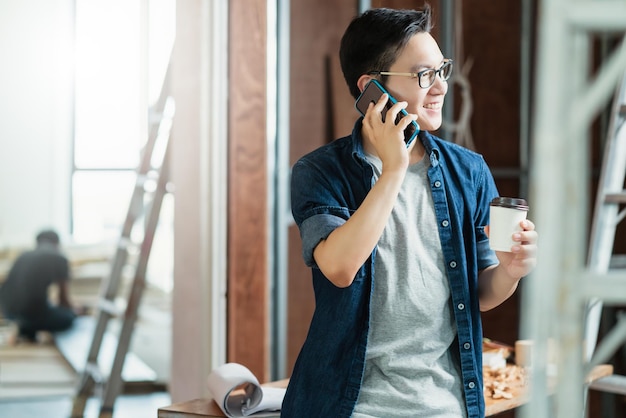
(24, 294)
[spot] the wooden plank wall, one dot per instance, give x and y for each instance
(315, 120)
(492, 41)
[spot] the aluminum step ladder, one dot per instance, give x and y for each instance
(569, 95)
(141, 220)
(609, 211)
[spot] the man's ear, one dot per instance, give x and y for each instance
(362, 81)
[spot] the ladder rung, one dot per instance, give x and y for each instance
(616, 197)
(124, 243)
(144, 179)
(93, 370)
(110, 307)
(611, 384)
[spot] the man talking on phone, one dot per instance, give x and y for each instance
(395, 238)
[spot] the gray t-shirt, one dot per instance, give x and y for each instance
(412, 368)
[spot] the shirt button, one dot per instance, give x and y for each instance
(445, 223)
(453, 264)
(460, 306)
(437, 183)
(471, 385)
(467, 346)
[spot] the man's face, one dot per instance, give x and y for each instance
(421, 53)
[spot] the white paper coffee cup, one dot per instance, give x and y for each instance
(505, 215)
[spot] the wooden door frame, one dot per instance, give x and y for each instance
(248, 214)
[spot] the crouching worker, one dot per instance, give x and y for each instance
(24, 294)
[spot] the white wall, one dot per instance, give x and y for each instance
(35, 117)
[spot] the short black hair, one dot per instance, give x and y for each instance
(48, 236)
(373, 40)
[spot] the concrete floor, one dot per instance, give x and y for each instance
(151, 342)
(126, 406)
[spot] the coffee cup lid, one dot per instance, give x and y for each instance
(510, 202)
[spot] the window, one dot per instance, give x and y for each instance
(120, 64)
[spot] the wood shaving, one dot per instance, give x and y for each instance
(500, 382)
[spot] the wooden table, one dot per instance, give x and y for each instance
(207, 408)
(521, 395)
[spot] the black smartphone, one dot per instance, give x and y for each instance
(372, 93)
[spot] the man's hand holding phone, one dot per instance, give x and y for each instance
(375, 93)
(386, 136)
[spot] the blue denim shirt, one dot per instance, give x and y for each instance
(327, 187)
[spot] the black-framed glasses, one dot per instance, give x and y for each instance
(425, 78)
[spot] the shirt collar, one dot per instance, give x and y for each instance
(426, 137)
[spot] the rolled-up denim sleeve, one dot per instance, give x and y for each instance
(315, 229)
(486, 256)
(487, 190)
